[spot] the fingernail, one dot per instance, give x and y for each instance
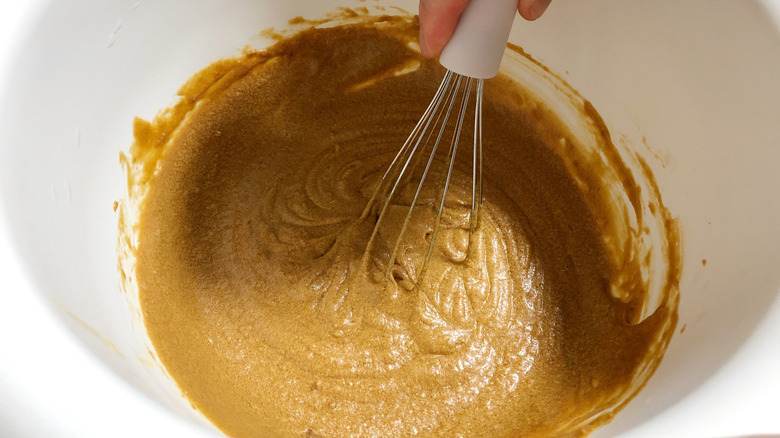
(538, 8)
(424, 46)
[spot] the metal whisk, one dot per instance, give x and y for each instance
(472, 55)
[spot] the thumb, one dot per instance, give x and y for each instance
(532, 9)
(438, 19)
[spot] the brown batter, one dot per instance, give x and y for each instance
(249, 249)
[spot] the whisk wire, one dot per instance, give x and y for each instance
(414, 135)
(451, 98)
(415, 139)
(476, 169)
(430, 131)
(453, 151)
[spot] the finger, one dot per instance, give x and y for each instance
(532, 9)
(438, 19)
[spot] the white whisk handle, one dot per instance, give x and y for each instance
(478, 44)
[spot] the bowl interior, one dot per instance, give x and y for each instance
(692, 87)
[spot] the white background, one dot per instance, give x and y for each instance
(50, 386)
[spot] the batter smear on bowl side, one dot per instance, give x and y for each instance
(249, 238)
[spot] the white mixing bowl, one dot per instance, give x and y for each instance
(693, 85)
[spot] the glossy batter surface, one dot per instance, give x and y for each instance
(251, 242)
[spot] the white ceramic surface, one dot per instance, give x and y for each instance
(698, 79)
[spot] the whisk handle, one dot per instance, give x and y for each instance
(478, 44)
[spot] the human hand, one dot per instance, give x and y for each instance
(438, 19)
